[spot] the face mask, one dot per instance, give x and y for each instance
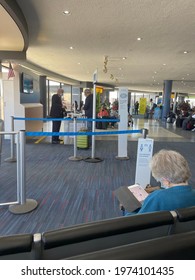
(162, 186)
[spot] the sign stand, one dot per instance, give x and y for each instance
(144, 155)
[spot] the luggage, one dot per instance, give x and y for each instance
(82, 140)
(99, 125)
(179, 122)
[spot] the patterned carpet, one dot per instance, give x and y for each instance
(71, 192)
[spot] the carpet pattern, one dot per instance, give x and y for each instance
(71, 192)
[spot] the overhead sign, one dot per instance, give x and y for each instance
(99, 90)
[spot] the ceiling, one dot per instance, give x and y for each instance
(102, 33)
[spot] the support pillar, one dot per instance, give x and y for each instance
(166, 98)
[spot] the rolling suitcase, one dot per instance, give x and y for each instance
(82, 140)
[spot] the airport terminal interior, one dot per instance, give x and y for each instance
(108, 47)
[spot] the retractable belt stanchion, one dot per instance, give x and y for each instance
(144, 132)
(11, 202)
(25, 205)
(93, 159)
(12, 138)
(75, 158)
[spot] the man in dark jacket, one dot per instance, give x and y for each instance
(88, 107)
(56, 112)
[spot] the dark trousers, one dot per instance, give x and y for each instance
(56, 128)
(136, 111)
(89, 128)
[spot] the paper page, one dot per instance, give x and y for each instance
(138, 192)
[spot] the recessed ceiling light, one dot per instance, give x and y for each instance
(124, 58)
(185, 52)
(139, 39)
(164, 64)
(71, 48)
(67, 13)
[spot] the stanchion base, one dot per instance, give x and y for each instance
(93, 160)
(75, 158)
(122, 158)
(29, 206)
(10, 159)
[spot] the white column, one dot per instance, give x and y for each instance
(123, 124)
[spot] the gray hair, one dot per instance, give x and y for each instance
(87, 91)
(60, 91)
(170, 165)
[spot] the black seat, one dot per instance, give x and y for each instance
(173, 247)
(84, 238)
(16, 247)
(185, 220)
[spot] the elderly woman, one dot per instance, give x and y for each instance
(172, 170)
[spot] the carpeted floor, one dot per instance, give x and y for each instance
(71, 192)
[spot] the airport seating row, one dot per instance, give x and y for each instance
(157, 235)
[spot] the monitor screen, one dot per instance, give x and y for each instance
(27, 83)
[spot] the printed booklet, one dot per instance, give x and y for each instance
(131, 197)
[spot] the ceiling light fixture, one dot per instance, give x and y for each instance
(124, 58)
(71, 48)
(185, 52)
(66, 13)
(139, 39)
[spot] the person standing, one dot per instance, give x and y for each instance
(136, 107)
(57, 113)
(88, 108)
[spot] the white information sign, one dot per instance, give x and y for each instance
(123, 113)
(144, 154)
